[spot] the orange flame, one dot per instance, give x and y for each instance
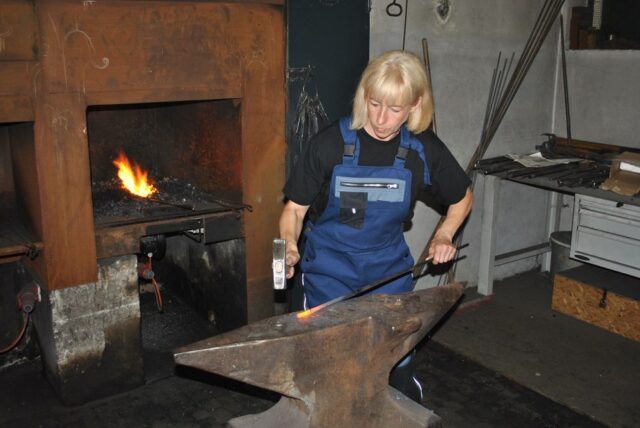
(133, 179)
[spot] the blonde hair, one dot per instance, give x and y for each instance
(392, 77)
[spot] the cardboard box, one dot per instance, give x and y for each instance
(624, 175)
(601, 297)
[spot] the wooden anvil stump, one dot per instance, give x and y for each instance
(332, 367)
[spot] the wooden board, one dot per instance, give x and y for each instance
(580, 293)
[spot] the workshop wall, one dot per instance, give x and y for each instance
(464, 38)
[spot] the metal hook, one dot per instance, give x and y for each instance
(394, 6)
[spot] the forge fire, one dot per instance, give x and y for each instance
(133, 178)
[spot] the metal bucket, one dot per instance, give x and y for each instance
(560, 247)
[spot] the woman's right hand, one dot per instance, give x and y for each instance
(290, 227)
(292, 257)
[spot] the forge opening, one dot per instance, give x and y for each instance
(191, 153)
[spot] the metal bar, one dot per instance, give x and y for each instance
(488, 235)
(564, 79)
(427, 65)
(549, 11)
(522, 253)
(163, 202)
(524, 64)
(487, 108)
(375, 284)
(552, 223)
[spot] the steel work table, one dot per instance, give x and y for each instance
(488, 258)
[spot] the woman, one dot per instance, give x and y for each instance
(358, 180)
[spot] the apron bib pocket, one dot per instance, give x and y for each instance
(353, 206)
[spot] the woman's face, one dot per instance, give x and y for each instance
(384, 120)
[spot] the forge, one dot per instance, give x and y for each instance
(332, 368)
(193, 92)
(190, 154)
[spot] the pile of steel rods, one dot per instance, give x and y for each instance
(500, 97)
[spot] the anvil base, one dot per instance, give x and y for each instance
(394, 410)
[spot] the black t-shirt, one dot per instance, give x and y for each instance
(309, 181)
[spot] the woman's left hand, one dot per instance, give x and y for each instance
(441, 249)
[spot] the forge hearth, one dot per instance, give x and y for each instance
(191, 153)
(175, 198)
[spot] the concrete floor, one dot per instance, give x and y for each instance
(500, 362)
(515, 333)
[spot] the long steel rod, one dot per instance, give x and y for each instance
(371, 286)
(427, 65)
(486, 119)
(564, 79)
(518, 78)
(525, 63)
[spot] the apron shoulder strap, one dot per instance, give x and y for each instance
(410, 141)
(351, 146)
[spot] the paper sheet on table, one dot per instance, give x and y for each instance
(536, 159)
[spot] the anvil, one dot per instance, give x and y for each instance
(332, 367)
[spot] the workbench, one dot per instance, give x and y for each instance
(605, 231)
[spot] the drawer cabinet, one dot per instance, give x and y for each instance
(606, 234)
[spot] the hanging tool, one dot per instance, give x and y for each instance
(374, 285)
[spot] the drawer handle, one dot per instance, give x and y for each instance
(581, 257)
(603, 299)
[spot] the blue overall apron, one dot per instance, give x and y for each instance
(358, 239)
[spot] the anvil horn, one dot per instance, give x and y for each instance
(331, 367)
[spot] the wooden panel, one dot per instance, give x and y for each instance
(16, 109)
(171, 47)
(263, 150)
(17, 30)
(62, 159)
(578, 293)
(17, 88)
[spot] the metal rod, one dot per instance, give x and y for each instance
(427, 65)
(160, 201)
(485, 121)
(372, 286)
(523, 66)
(404, 31)
(564, 79)
(531, 46)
